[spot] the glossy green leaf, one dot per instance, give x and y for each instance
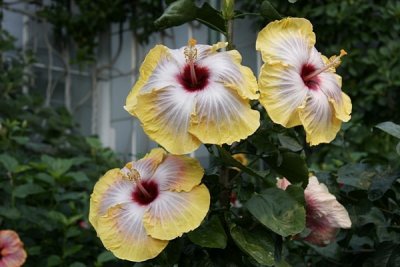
(105, 257)
(268, 11)
(44, 177)
(358, 175)
(53, 260)
(257, 244)
(279, 210)
(289, 143)
(290, 165)
(381, 183)
(390, 128)
(10, 163)
(177, 13)
(211, 17)
(22, 191)
(10, 213)
(210, 234)
(387, 255)
(78, 176)
(57, 166)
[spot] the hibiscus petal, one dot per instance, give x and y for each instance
(122, 232)
(175, 213)
(222, 116)
(326, 204)
(149, 163)
(178, 173)
(149, 64)
(282, 92)
(110, 190)
(165, 118)
(248, 89)
(12, 252)
(331, 86)
(318, 119)
(288, 40)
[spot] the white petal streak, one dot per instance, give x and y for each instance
(222, 68)
(175, 106)
(164, 75)
(129, 221)
(118, 193)
(145, 167)
(216, 104)
(282, 91)
(330, 86)
(317, 114)
(291, 49)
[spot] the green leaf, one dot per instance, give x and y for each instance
(358, 175)
(57, 217)
(71, 250)
(45, 178)
(10, 213)
(269, 12)
(70, 196)
(279, 210)
(291, 165)
(381, 182)
(387, 255)
(21, 140)
(25, 190)
(179, 12)
(77, 264)
(53, 260)
(93, 142)
(289, 143)
(57, 166)
(22, 168)
(398, 148)
(10, 163)
(35, 250)
(105, 257)
(211, 18)
(210, 234)
(390, 128)
(257, 244)
(79, 177)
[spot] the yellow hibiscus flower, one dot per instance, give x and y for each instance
(193, 95)
(136, 210)
(298, 85)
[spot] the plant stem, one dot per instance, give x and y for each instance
(229, 34)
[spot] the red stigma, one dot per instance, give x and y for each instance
(202, 75)
(141, 198)
(312, 83)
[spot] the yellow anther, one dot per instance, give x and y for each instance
(333, 62)
(192, 42)
(134, 175)
(190, 51)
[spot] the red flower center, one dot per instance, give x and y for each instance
(312, 83)
(198, 83)
(144, 198)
